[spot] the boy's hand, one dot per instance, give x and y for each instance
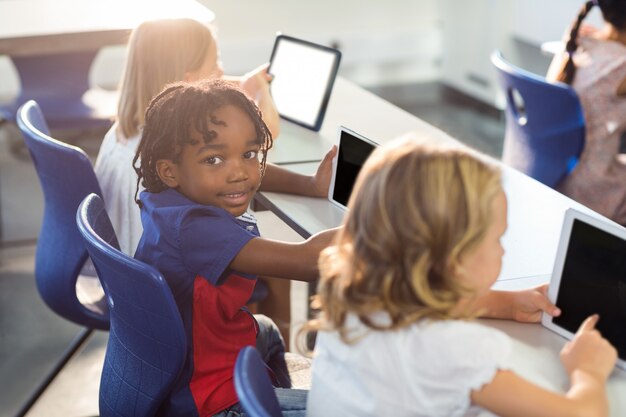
(320, 182)
(528, 305)
(589, 352)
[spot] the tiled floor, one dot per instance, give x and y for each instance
(32, 337)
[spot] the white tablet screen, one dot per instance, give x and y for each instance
(594, 281)
(304, 74)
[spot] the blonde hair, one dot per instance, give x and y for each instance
(416, 209)
(159, 52)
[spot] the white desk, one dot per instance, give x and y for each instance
(535, 218)
(535, 211)
(536, 351)
(347, 107)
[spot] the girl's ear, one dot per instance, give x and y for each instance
(167, 172)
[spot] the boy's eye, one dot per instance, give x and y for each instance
(213, 160)
(251, 154)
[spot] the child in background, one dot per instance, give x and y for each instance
(594, 64)
(398, 292)
(162, 52)
(201, 160)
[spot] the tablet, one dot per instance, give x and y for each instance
(352, 152)
(589, 277)
(304, 74)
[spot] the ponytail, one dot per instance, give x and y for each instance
(568, 71)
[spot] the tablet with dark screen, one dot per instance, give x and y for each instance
(303, 77)
(589, 277)
(352, 152)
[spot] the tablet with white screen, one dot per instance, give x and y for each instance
(352, 152)
(303, 77)
(589, 277)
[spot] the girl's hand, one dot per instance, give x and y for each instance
(256, 82)
(589, 352)
(320, 182)
(527, 305)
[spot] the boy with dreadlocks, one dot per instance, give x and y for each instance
(201, 160)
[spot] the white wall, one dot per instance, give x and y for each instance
(395, 41)
(380, 41)
(473, 29)
(538, 21)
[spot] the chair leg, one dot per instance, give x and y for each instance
(72, 348)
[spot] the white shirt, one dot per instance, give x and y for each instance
(426, 369)
(118, 182)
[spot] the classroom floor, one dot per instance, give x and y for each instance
(32, 338)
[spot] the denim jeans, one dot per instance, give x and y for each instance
(270, 345)
(292, 404)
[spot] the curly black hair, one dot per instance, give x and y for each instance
(182, 108)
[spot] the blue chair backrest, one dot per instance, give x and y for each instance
(147, 345)
(66, 176)
(253, 385)
(545, 136)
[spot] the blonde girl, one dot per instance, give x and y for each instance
(413, 265)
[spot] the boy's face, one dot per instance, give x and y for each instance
(225, 172)
(481, 267)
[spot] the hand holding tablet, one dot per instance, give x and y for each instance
(352, 152)
(303, 76)
(589, 277)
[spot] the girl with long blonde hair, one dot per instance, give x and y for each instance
(413, 265)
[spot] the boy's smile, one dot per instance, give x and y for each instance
(223, 173)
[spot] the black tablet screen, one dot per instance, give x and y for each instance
(594, 281)
(351, 156)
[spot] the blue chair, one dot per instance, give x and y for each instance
(59, 81)
(545, 134)
(253, 385)
(66, 177)
(147, 344)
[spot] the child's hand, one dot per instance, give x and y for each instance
(528, 304)
(525, 306)
(321, 180)
(256, 82)
(589, 351)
